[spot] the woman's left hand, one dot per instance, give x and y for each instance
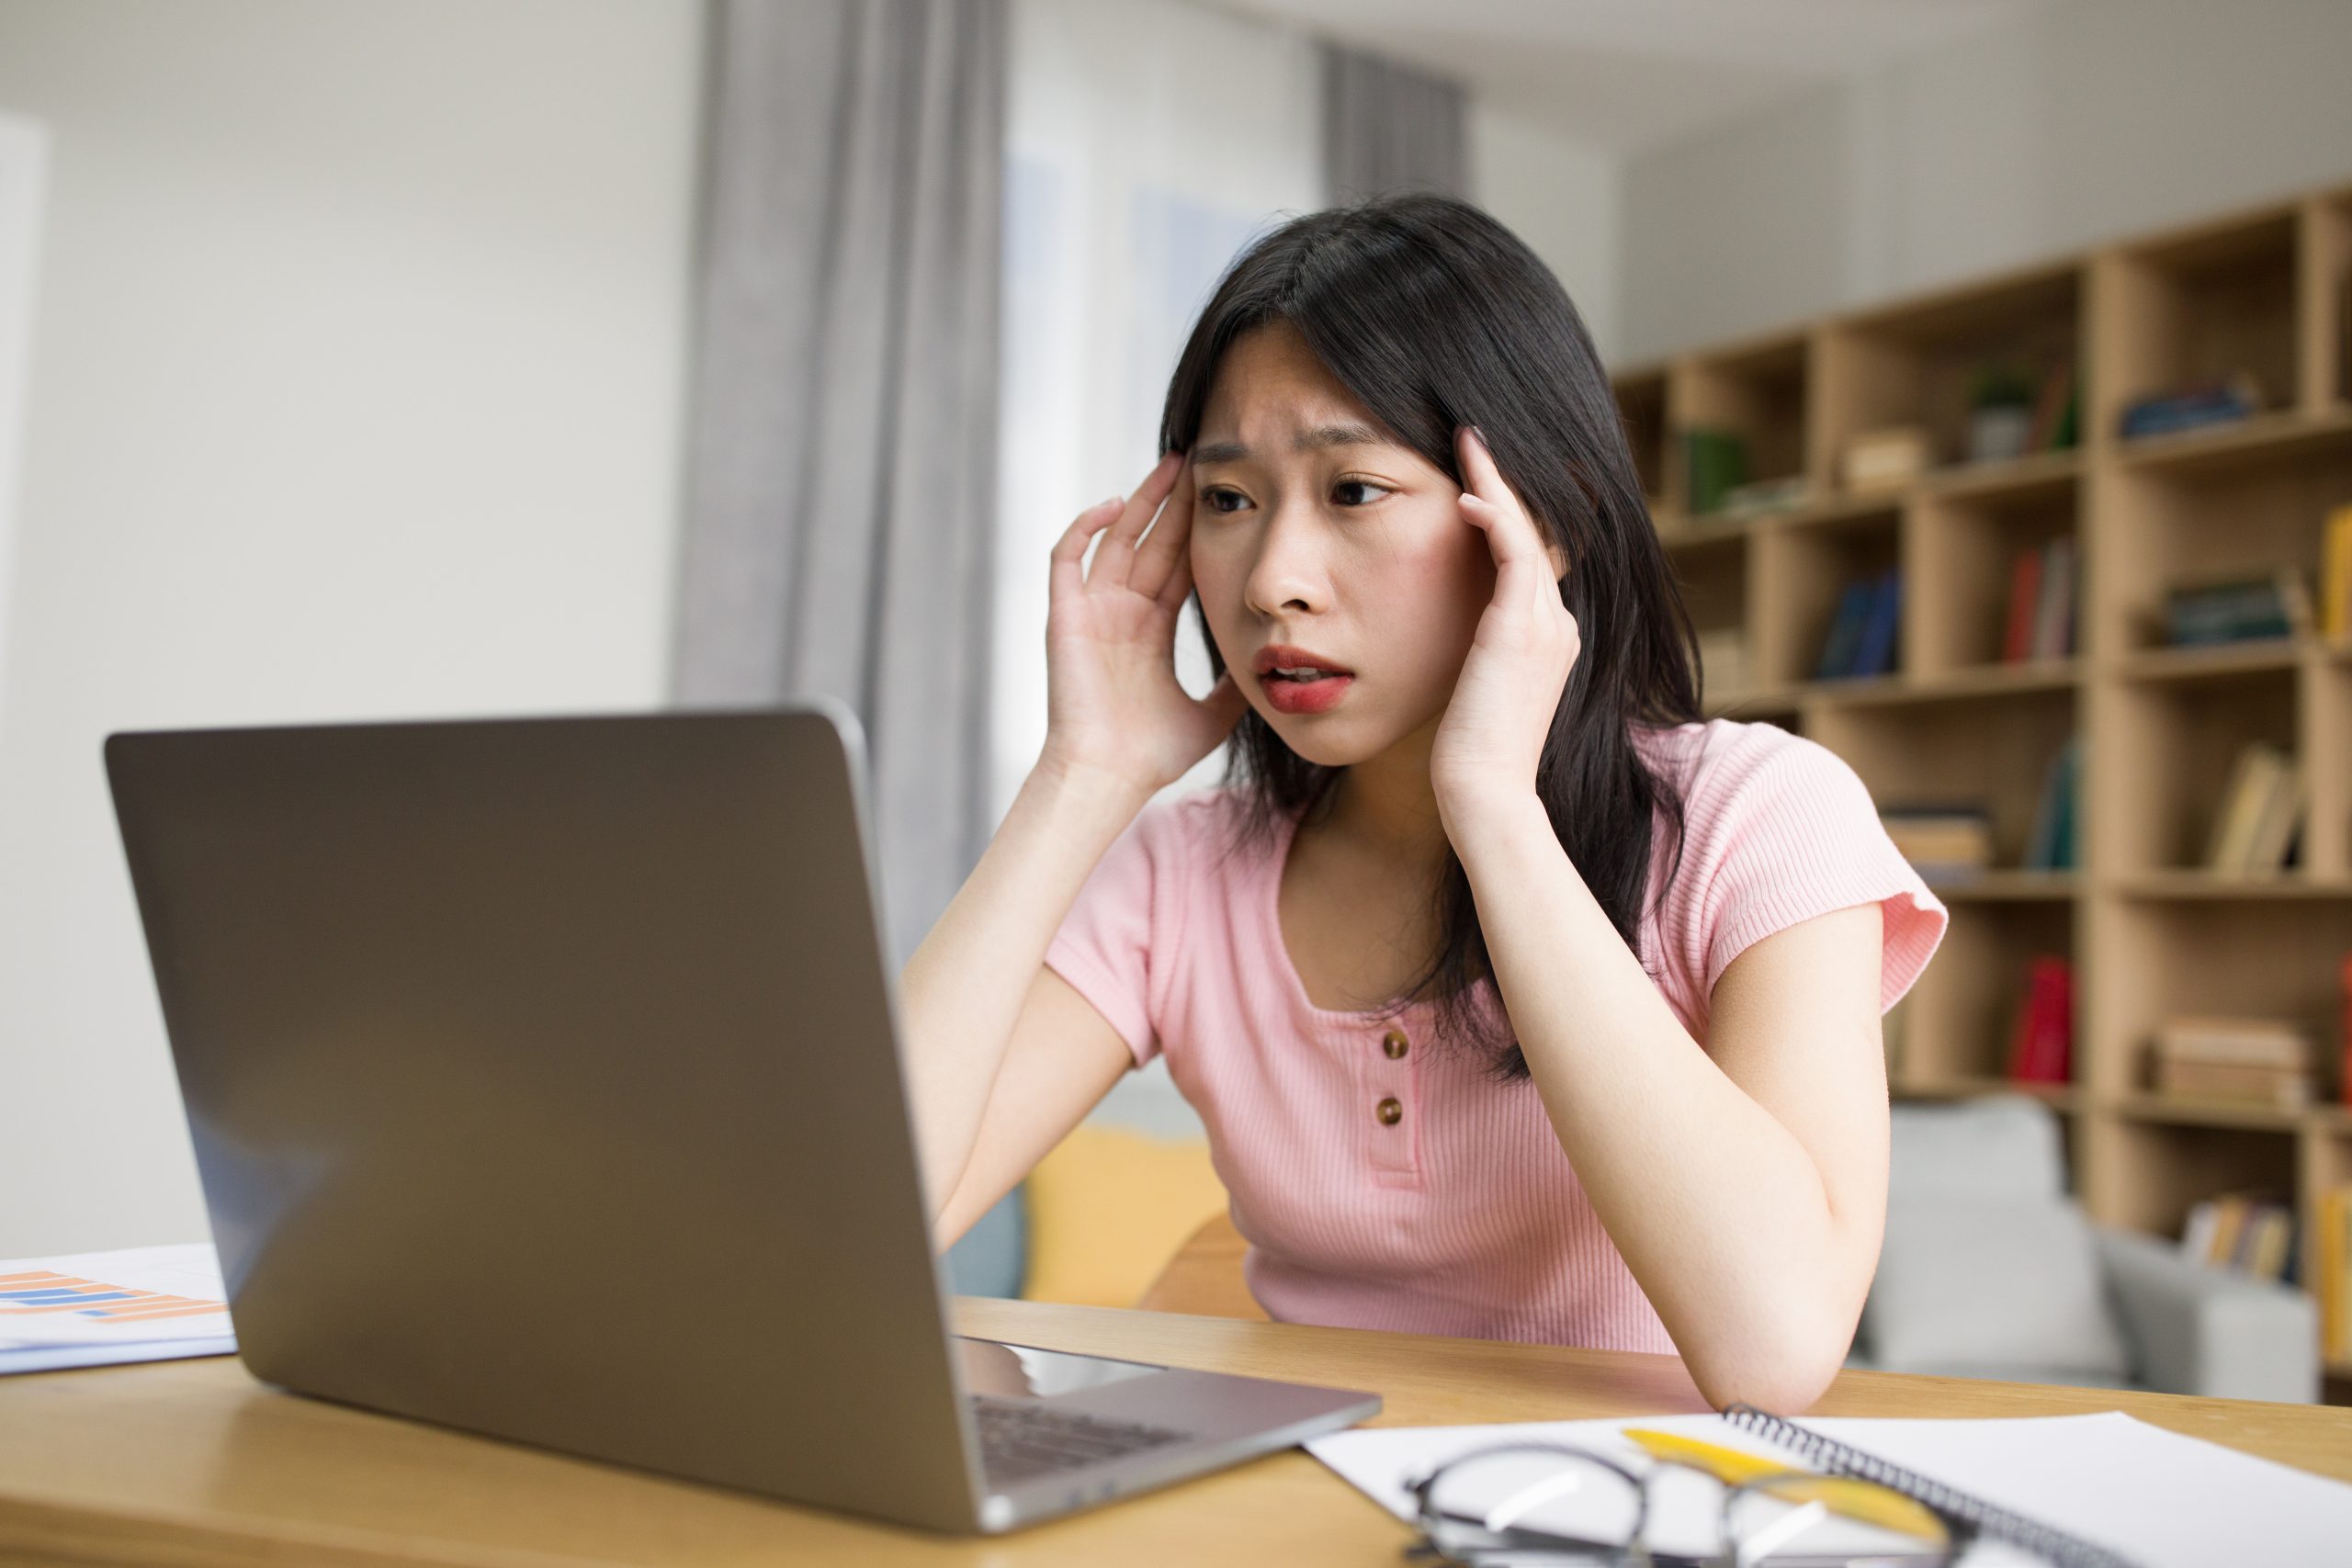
(1493, 733)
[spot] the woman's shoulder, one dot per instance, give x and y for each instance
(1716, 756)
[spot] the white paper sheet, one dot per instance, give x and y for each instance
(92, 1308)
(2160, 1499)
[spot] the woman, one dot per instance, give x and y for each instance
(1518, 1002)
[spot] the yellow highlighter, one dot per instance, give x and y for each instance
(1856, 1500)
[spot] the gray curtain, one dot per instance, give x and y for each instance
(841, 452)
(1387, 126)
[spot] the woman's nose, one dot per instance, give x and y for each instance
(1288, 572)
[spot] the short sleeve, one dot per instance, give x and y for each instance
(1112, 946)
(1780, 829)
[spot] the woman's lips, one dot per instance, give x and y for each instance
(1304, 696)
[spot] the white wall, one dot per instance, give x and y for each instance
(2077, 123)
(355, 393)
(1562, 197)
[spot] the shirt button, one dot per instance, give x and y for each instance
(1394, 1043)
(1390, 1111)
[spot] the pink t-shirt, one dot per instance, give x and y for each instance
(1464, 1217)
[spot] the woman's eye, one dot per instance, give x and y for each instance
(1222, 500)
(1341, 492)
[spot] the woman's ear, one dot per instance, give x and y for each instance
(1559, 560)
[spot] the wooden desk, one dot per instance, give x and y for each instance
(191, 1463)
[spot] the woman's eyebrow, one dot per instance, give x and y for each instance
(1309, 440)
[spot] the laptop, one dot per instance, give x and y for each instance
(544, 1081)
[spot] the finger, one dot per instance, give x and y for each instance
(1115, 555)
(1178, 585)
(1480, 476)
(1065, 575)
(1522, 571)
(1164, 545)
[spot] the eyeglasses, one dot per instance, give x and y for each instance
(1537, 1505)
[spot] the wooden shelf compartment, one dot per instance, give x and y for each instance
(2205, 300)
(2173, 743)
(2161, 960)
(2146, 1174)
(1965, 1005)
(1990, 749)
(1641, 403)
(1717, 588)
(1759, 390)
(1963, 547)
(1915, 362)
(1803, 568)
(2171, 523)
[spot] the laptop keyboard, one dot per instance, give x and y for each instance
(1020, 1440)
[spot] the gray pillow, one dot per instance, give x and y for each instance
(1992, 1283)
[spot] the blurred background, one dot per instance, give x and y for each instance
(1986, 360)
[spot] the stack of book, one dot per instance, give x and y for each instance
(2040, 622)
(1757, 497)
(1885, 459)
(2050, 844)
(1942, 842)
(2259, 1061)
(2262, 806)
(2192, 405)
(1863, 632)
(2245, 1231)
(2336, 575)
(2042, 1043)
(2331, 1272)
(2241, 607)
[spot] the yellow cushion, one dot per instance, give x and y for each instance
(1108, 1208)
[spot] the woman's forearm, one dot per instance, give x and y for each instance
(1717, 1209)
(962, 991)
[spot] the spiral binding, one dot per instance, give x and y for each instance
(1985, 1518)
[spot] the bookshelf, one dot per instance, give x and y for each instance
(2149, 933)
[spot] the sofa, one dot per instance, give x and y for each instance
(1989, 1269)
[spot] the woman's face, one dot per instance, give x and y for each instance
(1314, 533)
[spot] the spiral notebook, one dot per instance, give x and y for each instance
(2089, 1490)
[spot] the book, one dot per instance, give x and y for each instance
(2253, 1041)
(2280, 1088)
(1885, 459)
(2054, 619)
(1944, 842)
(2042, 1043)
(1714, 464)
(2052, 426)
(2238, 608)
(2192, 405)
(2344, 1066)
(2336, 575)
(2025, 598)
(1845, 633)
(2252, 1232)
(2258, 772)
(2095, 1491)
(2050, 842)
(1874, 651)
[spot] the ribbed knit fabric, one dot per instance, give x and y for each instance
(1464, 1215)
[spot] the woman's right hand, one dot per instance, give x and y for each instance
(1112, 703)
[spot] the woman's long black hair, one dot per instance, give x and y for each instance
(1435, 316)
